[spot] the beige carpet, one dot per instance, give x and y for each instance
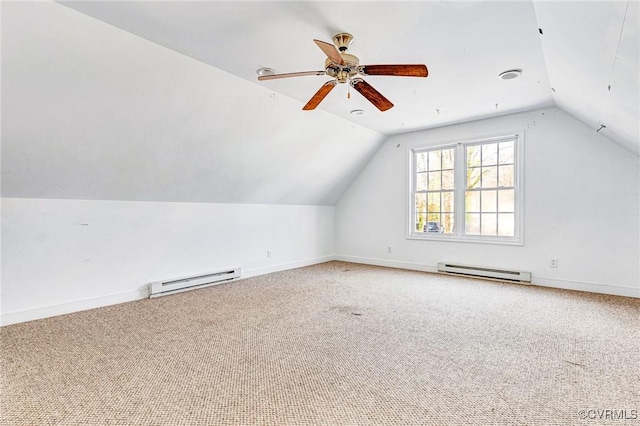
(331, 344)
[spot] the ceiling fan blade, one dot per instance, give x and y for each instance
(371, 94)
(320, 95)
(290, 74)
(397, 70)
(331, 52)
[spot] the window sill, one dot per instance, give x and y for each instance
(460, 239)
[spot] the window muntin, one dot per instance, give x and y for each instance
(490, 189)
(467, 191)
(434, 191)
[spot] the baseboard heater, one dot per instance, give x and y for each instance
(178, 285)
(485, 272)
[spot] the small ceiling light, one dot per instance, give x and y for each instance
(510, 74)
(357, 111)
(265, 71)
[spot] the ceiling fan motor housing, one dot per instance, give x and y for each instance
(343, 72)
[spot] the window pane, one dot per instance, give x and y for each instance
(433, 217)
(421, 219)
(472, 201)
(490, 154)
(434, 202)
(506, 153)
(472, 224)
(506, 175)
(421, 162)
(506, 224)
(447, 223)
(489, 177)
(448, 179)
(421, 181)
(448, 158)
(488, 201)
(434, 160)
(506, 200)
(473, 178)
(421, 202)
(447, 202)
(489, 224)
(434, 181)
(473, 156)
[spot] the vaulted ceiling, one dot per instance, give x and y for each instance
(146, 100)
(581, 56)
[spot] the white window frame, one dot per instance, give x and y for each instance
(460, 188)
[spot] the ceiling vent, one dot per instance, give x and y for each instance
(510, 74)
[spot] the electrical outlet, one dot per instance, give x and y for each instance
(268, 253)
(389, 249)
(553, 263)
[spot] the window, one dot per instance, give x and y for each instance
(468, 191)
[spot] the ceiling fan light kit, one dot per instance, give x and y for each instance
(344, 67)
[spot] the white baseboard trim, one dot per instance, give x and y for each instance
(71, 307)
(588, 287)
(247, 273)
(543, 282)
(142, 293)
(388, 263)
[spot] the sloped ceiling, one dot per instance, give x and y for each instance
(93, 112)
(160, 100)
(464, 44)
(586, 46)
(591, 51)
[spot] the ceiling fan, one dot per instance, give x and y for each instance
(344, 67)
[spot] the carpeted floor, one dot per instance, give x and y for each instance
(331, 344)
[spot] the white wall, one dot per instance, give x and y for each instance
(196, 169)
(61, 256)
(581, 207)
